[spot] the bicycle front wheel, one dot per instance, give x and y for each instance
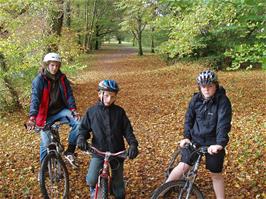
(175, 189)
(54, 179)
(103, 189)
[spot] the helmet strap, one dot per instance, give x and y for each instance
(102, 97)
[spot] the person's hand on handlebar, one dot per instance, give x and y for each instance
(82, 143)
(213, 149)
(183, 142)
(133, 151)
(30, 124)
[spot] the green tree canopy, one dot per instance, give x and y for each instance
(234, 29)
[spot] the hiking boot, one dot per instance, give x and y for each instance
(71, 159)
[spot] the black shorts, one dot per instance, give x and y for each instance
(214, 163)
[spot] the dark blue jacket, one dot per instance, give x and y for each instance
(209, 122)
(40, 97)
(108, 126)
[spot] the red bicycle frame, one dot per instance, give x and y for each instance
(105, 171)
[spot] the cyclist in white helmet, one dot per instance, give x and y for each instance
(207, 123)
(51, 100)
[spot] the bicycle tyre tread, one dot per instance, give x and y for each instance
(177, 183)
(103, 188)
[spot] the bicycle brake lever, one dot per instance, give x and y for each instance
(124, 155)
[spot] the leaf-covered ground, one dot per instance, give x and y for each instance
(155, 97)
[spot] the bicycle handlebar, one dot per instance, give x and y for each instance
(121, 154)
(201, 149)
(55, 125)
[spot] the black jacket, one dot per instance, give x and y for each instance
(209, 122)
(109, 126)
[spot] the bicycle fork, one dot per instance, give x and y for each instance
(104, 174)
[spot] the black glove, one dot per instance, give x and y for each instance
(82, 143)
(133, 151)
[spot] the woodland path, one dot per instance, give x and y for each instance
(155, 97)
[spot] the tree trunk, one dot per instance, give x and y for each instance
(86, 25)
(56, 22)
(152, 40)
(119, 39)
(57, 16)
(97, 37)
(139, 36)
(8, 84)
(79, 29)
(92, 23)
(133, 41)
(140, 53)
(67, 14)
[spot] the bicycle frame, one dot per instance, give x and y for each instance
(190, 177)
(105, 171)
(52, 131)
(55, 144)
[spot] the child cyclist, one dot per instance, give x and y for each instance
(52, 100)
(207, 123)
(108, 125)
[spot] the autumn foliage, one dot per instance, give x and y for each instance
(155, 97)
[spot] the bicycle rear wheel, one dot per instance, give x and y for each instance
(54, 179)
(172, 190)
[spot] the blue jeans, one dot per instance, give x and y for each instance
(72, 138)
(117, 183)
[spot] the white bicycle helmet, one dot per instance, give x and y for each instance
(52, 57)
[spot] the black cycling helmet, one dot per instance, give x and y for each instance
(207, 77)
(108, 85)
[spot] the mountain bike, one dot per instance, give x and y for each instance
(102, 189)
(184, 188)
(54, 177)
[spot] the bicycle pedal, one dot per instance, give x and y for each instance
(74, 165)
